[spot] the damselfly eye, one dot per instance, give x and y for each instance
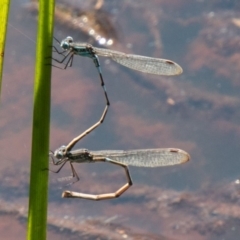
(58, 154)
(65, 45)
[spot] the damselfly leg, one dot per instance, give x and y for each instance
(97, 197)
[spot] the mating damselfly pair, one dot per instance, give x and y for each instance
(143, 157)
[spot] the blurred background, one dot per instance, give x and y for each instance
(197, 111)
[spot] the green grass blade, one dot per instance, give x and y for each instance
(4, 9)
(38, 195)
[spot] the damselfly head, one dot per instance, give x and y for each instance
(65, 43)
(60, 152)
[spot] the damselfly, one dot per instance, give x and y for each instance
(140, 63)
(156, 66)
(141, 158)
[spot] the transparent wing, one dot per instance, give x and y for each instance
(146, 157)
(141, 63)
